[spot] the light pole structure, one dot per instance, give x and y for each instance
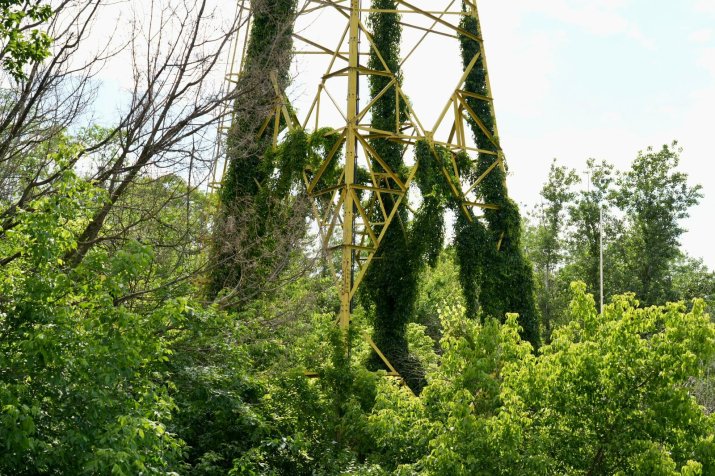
(600, 252)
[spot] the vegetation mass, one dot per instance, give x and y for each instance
(148, 326)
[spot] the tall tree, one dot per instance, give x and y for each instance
(547, 250)
(164, 126)
(585, 221)
(656, 198)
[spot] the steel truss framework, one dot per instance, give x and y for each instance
(341, 208)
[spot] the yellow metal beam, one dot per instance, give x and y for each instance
(350, 162)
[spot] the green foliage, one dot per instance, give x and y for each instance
(497, 277)
(439, 287)
(249, 155)
(507, 279)
(81, 386)
(477, 83)
(171, 217)
(427, 232)
(268, 52)
(244, 405)
(259, 229)
(312, 426)
(215, 391)
(607, 396)
(546, 247)
(584, 215)
(691, 279)
(472, 244)
(625, 370)
(703, 388)
(20, 42)
(386, 34)
(91, 385)
(655, 197)
(109, 368)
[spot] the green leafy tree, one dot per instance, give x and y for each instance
(663, 196)
(21, 40)
(307, 426)
(439, 287)
(585, 233)
(608, 395)
(546, 246)
(656, 198)
(81, 387)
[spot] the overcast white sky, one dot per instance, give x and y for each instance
(574, 79)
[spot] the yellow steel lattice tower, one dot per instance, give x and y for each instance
(341, 208)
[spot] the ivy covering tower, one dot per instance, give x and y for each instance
(391, 281)
(495, 274)
(363, 198)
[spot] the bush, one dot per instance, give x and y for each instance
(607, 396)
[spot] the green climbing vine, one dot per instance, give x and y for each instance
(495, 274)
(268, 53)
(259, 203)
(391, 281)
(387, 283)
(280, 197)
(427, 230)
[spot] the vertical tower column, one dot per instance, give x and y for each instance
(350, 161)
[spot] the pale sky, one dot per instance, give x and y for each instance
(572, 79)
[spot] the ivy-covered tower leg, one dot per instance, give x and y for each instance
(496, 264)
(391, 282)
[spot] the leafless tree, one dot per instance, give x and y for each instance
(36, 110)
(159, 151)
(169, 125)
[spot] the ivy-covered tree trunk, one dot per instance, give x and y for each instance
(243, 196)
(391, 280)
(505, 280)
